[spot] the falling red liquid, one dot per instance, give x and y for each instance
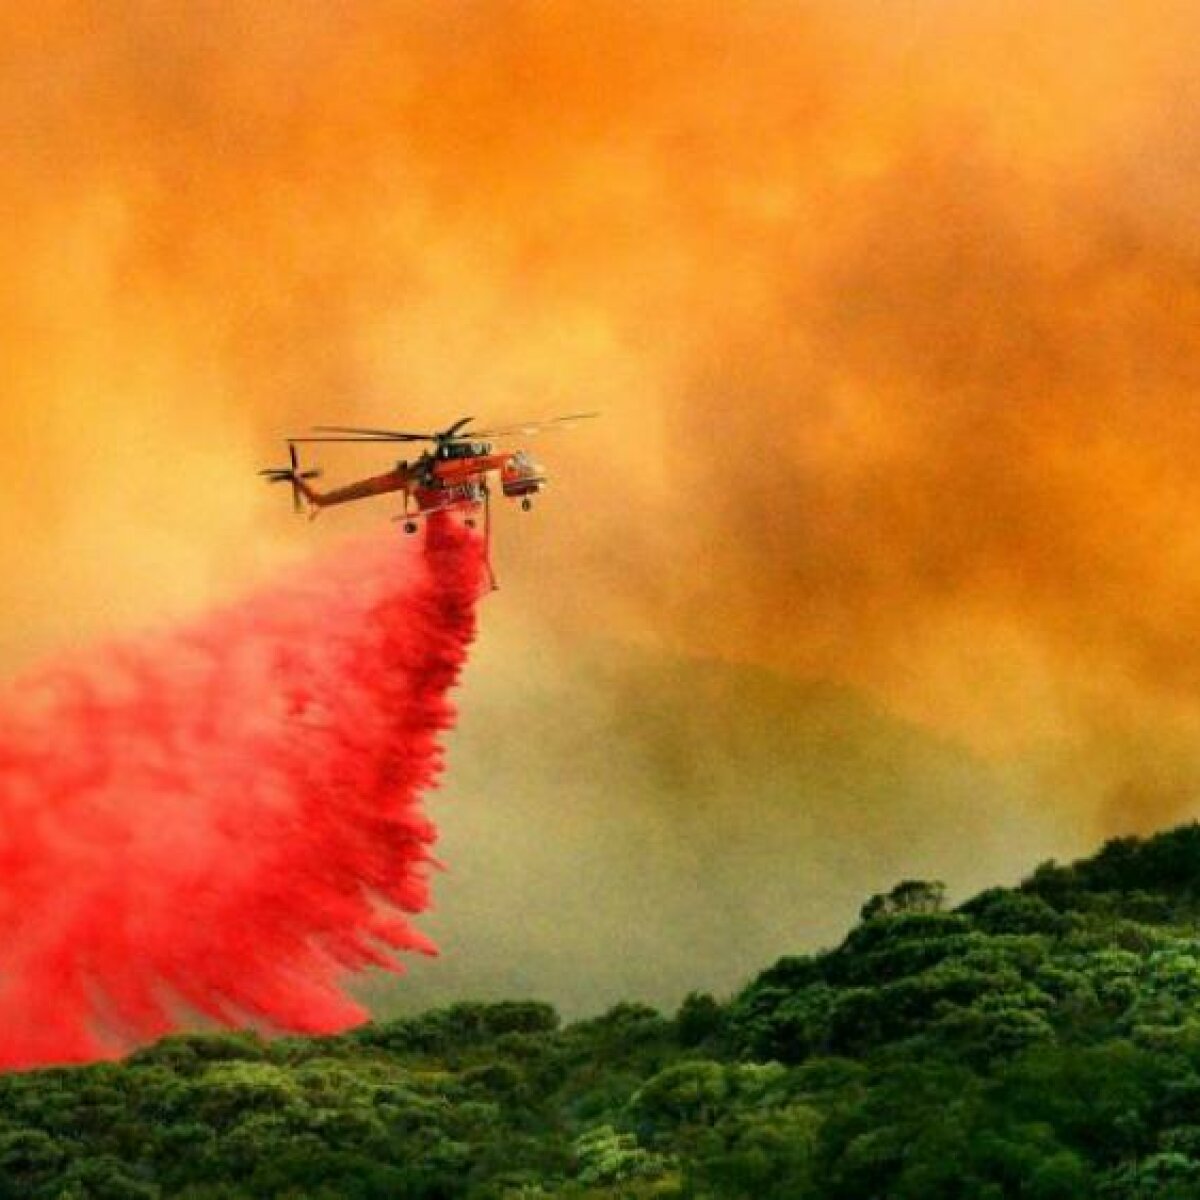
(224, 820)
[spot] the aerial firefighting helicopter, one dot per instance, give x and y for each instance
(452, 475)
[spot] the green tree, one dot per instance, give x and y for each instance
(911, 896)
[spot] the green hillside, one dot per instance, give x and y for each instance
(1041, 1041)
(746, 816)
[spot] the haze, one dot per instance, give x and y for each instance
(882, 560)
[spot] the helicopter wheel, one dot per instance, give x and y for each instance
(527, 504)
(410, 527)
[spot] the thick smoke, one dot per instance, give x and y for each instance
(891, 308)
(221, 821)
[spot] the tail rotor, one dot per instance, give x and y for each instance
(293, 475)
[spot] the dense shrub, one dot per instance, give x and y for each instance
(1040, 1042)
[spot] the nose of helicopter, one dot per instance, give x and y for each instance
(522, 476)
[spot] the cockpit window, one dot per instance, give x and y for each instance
(463, 449)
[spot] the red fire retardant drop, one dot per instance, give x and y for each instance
(220, 822)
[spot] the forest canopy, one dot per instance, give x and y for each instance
(1039, 1041)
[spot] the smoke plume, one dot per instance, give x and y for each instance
(220, 821)
(892, 310)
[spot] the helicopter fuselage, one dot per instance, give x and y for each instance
(438, 480)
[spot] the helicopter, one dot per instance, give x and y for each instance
(452, 475)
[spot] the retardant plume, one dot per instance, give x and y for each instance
(224, 819)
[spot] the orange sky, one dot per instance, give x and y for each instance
(892, 309)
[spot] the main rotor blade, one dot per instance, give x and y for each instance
(390, 434)
(365, 438)
(533, 427)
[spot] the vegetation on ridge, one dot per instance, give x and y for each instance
(1040, 1041)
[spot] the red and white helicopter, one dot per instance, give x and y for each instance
(453, 475)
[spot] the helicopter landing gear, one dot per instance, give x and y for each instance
(526, 504)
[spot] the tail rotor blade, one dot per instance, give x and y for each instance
(291, 475)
